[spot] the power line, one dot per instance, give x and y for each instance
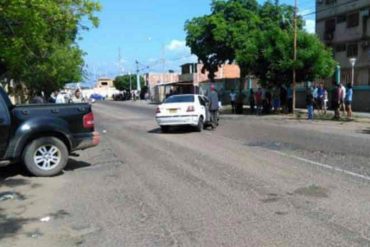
(329, 8)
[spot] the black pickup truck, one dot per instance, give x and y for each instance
(43, 136)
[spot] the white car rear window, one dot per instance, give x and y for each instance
(180, 99)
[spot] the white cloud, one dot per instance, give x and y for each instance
(178, 46)
(310, 26)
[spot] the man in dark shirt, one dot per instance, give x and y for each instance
(213, 106)
(309, 102)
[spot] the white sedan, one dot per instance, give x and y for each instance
(181, 110)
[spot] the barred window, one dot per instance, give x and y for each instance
(353, 20)
(341, 18)
(352, 50)
(340, 48)
(330, 25)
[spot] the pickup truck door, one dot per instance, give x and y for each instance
(4, 127)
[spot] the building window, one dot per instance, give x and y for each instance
(327, 2)
(330, 26)
(341, 18)
(352, 50)
(353, 20)
(340, 48)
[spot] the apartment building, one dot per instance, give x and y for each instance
(344, 25)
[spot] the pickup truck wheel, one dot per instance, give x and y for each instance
(45, 157)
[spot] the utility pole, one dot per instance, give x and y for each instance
(138, 86)
(129, 74)
(295, 55)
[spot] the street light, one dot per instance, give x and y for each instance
(353, 63)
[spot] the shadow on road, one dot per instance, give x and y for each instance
(10, 171)
(173, 130)
(366, 131)
(76, 164)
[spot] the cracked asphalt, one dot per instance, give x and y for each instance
(239, 185)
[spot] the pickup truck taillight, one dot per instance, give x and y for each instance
(88, 121)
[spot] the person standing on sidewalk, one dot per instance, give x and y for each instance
(290, 99)
(276, 99)
(343, 99)
(259, 100)
(348, 100)
(252, 100)
(320, 97)
(337, 95)
(213, 106)
(309, 102)
(326, 100)
(232, 101)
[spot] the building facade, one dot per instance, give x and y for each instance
(345, 27)
(192, 72)
(154, 79)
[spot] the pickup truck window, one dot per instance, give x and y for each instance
(6, 99)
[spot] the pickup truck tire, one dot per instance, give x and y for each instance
(45, 157)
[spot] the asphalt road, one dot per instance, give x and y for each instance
(254, 181)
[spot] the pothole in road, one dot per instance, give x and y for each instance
(272, 145)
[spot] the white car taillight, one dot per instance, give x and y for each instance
(158, 110)
(190, 109)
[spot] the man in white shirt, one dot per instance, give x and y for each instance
(342, 100)
(232, 100)
(60, 99)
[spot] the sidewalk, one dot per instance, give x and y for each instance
(300, 114)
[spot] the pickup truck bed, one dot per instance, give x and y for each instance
(31, 133)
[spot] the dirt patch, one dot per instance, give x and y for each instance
(313, 191)
(280, 213)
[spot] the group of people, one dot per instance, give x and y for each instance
(272, 99)
(279, 99)
(59, 97)
(317, 98)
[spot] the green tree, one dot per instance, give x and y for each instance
(207, 36)
(227, 35)
(38, 41)
(259, 38)
(123, 82)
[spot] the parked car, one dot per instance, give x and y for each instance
(96, 97)
(185, 109)
(43, 136)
